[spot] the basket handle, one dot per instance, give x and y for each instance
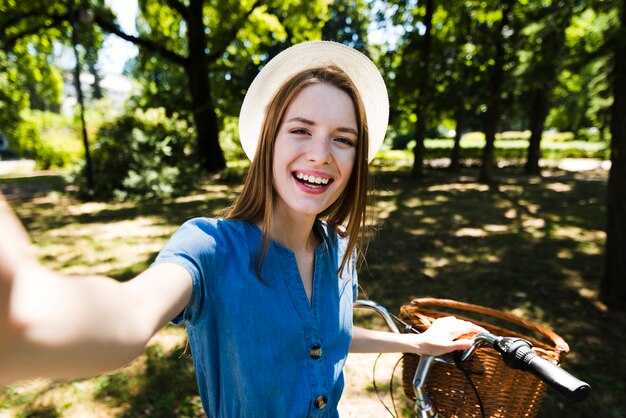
(559, 342)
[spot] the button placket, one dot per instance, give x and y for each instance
(306, 311)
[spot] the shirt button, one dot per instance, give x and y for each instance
(321, 402)
(315, 352)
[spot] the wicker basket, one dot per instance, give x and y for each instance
(504, 392)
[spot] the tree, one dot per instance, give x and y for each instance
(179, 34)
(206, 38)
(73, 14)
(348, 24)
(25, 68)
(613, 287)
(408, 65)
(547, 43)
(12, 100)
(423, 46)
(460, 81)
(33, 29)
(582, 96)
(502, 31)
(201, 37)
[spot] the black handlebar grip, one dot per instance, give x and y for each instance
(518, 354)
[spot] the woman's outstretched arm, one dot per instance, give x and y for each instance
(58, 326)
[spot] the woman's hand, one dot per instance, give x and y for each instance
(444, 335)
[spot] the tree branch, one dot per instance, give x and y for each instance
(12, 20)
(232, 33)
(9, 42)
(179, 7)
(166, 53)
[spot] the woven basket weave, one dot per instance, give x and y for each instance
(504, 392)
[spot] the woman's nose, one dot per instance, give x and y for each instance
(319, 151)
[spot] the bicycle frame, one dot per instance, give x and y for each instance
(423, 405)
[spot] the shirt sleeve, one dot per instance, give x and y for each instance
(193, 247)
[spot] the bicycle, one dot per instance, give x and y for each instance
(516, 353)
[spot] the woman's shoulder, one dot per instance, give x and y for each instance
(211, 226)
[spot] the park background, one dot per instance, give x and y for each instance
(495, 185)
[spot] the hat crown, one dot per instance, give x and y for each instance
(359, 68)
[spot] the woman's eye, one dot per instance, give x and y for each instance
(299, 131)
(345, 141)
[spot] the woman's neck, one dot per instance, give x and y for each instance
(295, 233)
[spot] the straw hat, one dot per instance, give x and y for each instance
(300, 57)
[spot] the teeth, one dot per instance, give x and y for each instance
(312, 179)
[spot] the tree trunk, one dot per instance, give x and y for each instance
(418, 151)
(455, 156)
(494, 105)
(540, 106)
(422, 101)
(465, 22)
(204, 116)
(81, 101)
(613, 286)
(546, 74)
(487, 159)
(97, 88)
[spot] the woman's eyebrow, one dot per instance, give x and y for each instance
(348, 130)
(311, 123)
(301, 119)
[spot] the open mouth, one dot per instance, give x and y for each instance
(312, 181)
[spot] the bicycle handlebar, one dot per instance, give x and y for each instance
(517, 353)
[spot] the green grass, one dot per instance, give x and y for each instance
(508, 145)
(530, 246)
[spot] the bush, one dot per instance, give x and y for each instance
(229, 139)
(46, 137)
(144, 155)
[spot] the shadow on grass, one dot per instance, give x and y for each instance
(166, 389)
(40, 412)
(529, 246)
(31, 199)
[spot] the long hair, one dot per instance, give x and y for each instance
(347, 215)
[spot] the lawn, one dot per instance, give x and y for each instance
(530, 246)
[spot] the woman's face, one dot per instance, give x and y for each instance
(314, 151)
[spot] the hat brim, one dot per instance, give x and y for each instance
(361, 70)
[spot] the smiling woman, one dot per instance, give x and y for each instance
(266, 293)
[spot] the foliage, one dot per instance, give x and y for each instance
(582, 93)
(348, 24)
(12, 100)
(31, 35)
(229, 139)
(240, 37)
(48, 138)
(144, 155)
(26, 81)
(208, 47)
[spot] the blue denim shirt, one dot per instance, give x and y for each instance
(260, 349)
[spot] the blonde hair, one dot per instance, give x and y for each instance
(256, 200)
